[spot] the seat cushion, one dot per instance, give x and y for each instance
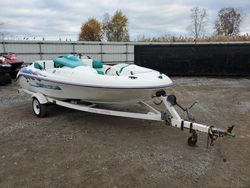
(97, 64)
(68, 61)
(38, 66)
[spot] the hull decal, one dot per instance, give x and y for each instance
(41, 77)
(46, 86)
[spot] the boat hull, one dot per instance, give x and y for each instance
(86, 93)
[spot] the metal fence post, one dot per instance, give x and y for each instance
(126, 52)
(101, 51)
(4, 47)
(40, 50)
(74, 50)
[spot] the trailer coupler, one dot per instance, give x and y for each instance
(214, 133)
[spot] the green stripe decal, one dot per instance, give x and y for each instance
(123, 68)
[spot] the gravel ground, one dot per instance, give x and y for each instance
(70, 148)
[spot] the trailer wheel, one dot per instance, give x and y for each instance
(192, 140)
(38, 108)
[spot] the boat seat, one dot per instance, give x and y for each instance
(131, 69)
(93, 63)
(97, 65)
(117, 70)
(38, 66)
(67, 61)
(43, 64)
(111, 71)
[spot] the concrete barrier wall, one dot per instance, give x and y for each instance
(189, 59)
(108, 52)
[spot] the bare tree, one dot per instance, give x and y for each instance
(105, 21)
(198, 21)
(228, 22)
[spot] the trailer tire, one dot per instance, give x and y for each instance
(38, 109)
(191, 141)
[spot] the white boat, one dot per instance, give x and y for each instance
(89, 80)
(69, 77)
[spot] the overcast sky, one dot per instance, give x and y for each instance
(146, 17)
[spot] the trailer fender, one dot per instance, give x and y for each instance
(41, 98)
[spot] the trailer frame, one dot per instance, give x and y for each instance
(169, 115)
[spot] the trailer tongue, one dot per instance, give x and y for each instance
(175, 120)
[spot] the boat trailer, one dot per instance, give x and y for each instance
(170, 116)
